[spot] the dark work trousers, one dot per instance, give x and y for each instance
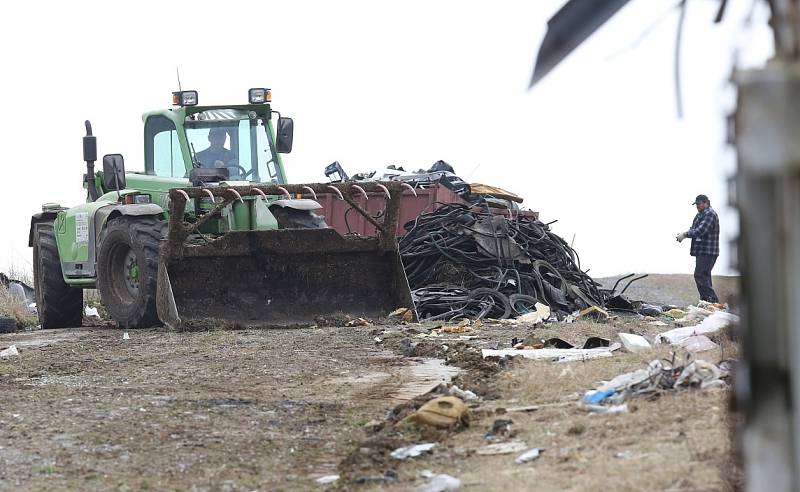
(702, 277)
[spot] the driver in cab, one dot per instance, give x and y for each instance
(216, 155)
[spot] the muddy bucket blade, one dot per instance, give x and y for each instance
(282, 277)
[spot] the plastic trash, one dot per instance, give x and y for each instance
(412, 451)
(441, 483)
(608, 409)
(465, 395)
(529, 455)
(502, 448)
(442, 412)
(125, 336)
(327, 479)
(713, 323)
(698, 343)
(702, 373)
(91, 312)
(596, 396)
(560, 355)
(634, 343)
(10, 351)
(32, 308)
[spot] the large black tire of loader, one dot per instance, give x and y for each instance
(290, 218)
(58, 304)
(127, 270)
(7, 325)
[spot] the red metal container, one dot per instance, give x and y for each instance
(427, 200)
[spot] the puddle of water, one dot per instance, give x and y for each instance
(421, 376)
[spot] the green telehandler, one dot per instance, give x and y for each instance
(212, 233)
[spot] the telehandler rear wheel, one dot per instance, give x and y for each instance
(58, 304)
(127, 270)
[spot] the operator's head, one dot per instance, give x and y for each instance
(217, 136)
(702, 202)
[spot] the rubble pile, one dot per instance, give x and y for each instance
(469, 262)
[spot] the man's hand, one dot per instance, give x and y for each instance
(680, 237)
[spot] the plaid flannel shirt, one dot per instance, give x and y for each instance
(705, 233)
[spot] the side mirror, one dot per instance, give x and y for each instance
(285, 132)
(113, 172)
(89, 144)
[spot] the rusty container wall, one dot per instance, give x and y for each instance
(427, 200)
(411, 206)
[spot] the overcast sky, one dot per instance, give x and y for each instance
(596, 145)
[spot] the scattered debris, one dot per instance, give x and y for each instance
(593, 312)
(502, 448)
(529, 455)
(528, 408)
(442, 412)
(590, 343)
(404, 314)
(598, 395)
(541, 314)
(558, 355)
(607, 409)
(634, 343)
(327, 479)
(10, 351)
(91, 312)
(125, 336)
(650, 310)
(698, 343)
(501, 430)
(358, 322)
(675, 313)
(463, 394)
(712, 323)
(656, 378)
(441, 483)
(702, 373)
(412, 451)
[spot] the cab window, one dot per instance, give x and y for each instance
(162, 149)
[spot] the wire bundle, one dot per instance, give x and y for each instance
(465, 261)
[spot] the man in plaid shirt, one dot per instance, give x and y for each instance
(705, 246)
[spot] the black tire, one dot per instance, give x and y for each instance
(290, 218)
(522, 304)
(7, 325)
(127, 270)
(58, 304)
(497, 302)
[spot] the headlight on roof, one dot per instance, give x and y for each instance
(184, 98)
(259, 96)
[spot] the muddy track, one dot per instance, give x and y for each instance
(250, 409)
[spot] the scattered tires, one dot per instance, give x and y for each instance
(58, 304)
(522, 304)
(489, 303)
(127, 270)
(290, 218)
(7, 325)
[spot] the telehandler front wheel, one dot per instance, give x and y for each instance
(58, 304)
(127, 270)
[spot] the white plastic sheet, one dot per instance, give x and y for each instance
(713, 323)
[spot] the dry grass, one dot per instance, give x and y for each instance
(678, 440)
(14, 308)
(677, 289)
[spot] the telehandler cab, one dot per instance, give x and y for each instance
(210, 229)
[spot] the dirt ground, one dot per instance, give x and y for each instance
(224, 410)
